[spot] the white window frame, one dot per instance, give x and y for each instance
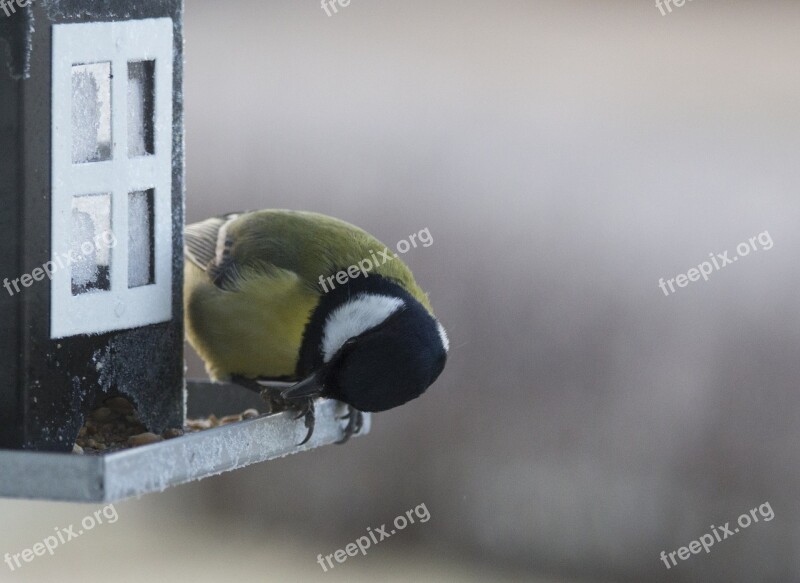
(119, 308)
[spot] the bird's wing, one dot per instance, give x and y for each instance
(207, 245)
(309, 245)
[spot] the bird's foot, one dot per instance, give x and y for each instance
(277, 404)
(306, 409)
(355, 422)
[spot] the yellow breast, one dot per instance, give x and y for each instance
(255, 330)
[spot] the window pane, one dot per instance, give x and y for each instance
(141, 98)
(91, 113)
(140, 239)
(92, 240)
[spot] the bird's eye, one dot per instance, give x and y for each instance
(343, 351)
(347, 346)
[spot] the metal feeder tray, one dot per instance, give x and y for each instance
(153, 468)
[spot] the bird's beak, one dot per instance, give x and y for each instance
(311, 386)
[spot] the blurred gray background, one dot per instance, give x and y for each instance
(564, 155)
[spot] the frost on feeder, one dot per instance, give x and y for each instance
(92, 184)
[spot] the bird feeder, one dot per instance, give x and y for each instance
(92, 187)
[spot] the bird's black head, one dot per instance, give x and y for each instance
(390, 364)
(378, 348)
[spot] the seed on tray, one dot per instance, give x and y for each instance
(119, 404)
(115, 425)
(172, 433)
(144, 439)
(101, 414)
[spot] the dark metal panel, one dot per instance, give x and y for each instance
(63, 379)
(15, 40)
(10, 221)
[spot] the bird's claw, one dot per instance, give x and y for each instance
(355, 422)
(306, 410)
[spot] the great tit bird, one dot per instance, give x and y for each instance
(265, 300)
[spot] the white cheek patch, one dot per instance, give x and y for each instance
(354, 318)
(222, 237)
(443, 336)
